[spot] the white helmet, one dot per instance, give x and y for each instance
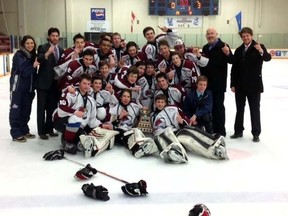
(178, 42)
(101, 113)
(199, 210)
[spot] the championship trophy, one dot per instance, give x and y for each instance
(144, 123)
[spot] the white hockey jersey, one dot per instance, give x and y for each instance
(69, 103)
(128, 122)
(160, 121)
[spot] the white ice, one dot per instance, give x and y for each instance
(253, 182)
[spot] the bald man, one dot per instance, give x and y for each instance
(219, 55)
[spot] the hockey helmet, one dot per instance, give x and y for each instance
(199, 210)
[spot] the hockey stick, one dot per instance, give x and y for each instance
(103, 173)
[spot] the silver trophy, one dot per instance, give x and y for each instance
(144, 123)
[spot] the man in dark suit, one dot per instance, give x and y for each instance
(246, 81)
(219, 55)
(46, 85)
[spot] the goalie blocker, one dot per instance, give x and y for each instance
(99, 140)
(202, 143)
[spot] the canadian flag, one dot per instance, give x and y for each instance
(133, 17)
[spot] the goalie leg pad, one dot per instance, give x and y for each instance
(200, 143)
(170, 148)
(141, 145)
(89, 144)
(99, 140)
(105, 135)
(174, 153)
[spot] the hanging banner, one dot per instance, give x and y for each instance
(184, 22)
(239, 21)
(98, 26)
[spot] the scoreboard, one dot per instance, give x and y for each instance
(183, 7)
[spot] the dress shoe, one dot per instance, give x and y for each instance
(21, 139)
(44, 137)
(29, 136)
(256, 139)
(52, 134)
(217, 135)
(236, 135)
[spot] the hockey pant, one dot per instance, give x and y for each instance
(202, 143)
(98, 141)
(139, 144)
(170, 148)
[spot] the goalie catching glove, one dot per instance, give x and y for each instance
(135, 189)
(85, 173)
(95, 192)
(54, 155)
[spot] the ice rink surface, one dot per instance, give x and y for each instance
(253, 182)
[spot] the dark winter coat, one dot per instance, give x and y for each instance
(246, 72)
(23, 73)
(216, 69)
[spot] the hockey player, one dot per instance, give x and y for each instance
(76, 68)
(118, 47)
(164, 59)
(150, 49)
(148, 84)
(124, 117)
(198, 106)
(126, 79)
(175, 94)
(71, 54)
(165, 120)
(132, 55)
(102, 97)
(107, 77)
(191, 54)
(183, 72)
(100, 139)
(104, 53)
(75, 112)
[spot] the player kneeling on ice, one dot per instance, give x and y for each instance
(166, 120)
(75, 116)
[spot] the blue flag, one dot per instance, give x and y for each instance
(239, 21)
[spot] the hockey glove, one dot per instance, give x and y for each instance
(85, 173)
(135, 189)
(95, 192)
(54, 155)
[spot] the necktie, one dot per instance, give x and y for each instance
(246, 48)
(56, 53)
